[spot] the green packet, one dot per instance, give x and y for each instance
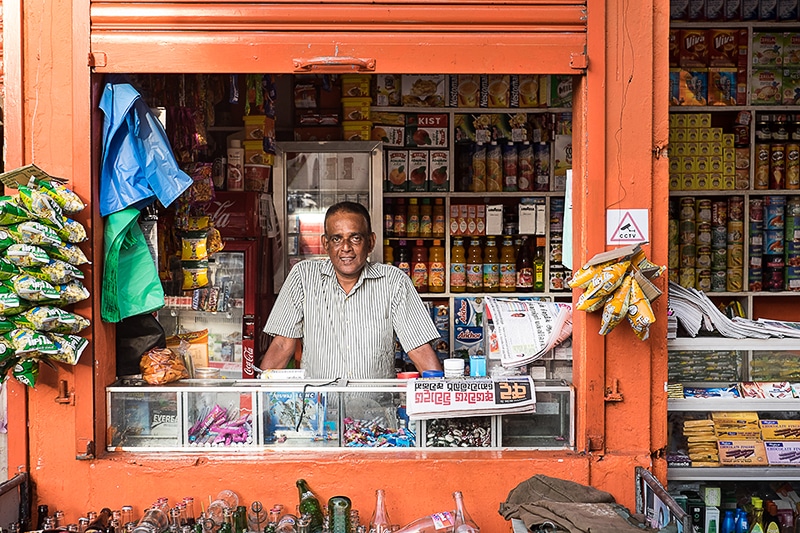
(66, 252)
(56, 272)
(41, 205)
(32, 232)
(28, 341)
(33, 289)
(26, 255)
(11, 212)
(27, 371)
(63, 196)
(48, 318)
(70, 348)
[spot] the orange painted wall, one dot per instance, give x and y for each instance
(620, 116)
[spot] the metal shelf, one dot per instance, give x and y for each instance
(704, 344)
(734, 473)
(470, 110)
(731, 404)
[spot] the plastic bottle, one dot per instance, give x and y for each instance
(412, 221)
(728, 522)
(403, 258)
(433, 523)
(510, 167)
(508, 265)
(438, 226)
(491, 266)
(419, 266)
(436, 267)
(494, 168)
(474, 266)
(538, 266)
(478, 182)
(458, 266)
(525, 266)
(309, 504)
(463, 522)
(388, 252)
(742, 523)
(380, 523)
(399, 229)
(525, 174)
(426, 219)
(235, 181)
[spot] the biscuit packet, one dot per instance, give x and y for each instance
(616, 307)
(640, 314)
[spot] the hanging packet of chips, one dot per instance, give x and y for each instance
(30, 343)
(584, 275)
(10, 302)
(616, 307)
(11, 212)
(33, 289)
(7, 269)
(71, 293)
(590, 304)
(215, 242)
(640, 314)
(26, 371)
(70, 348)
(5, 326)
(32, 232)
(66, 252)
(194, 246)
(64, 197)
(71, 231)
(41, 205)
(26, 255)
(608, 279)
(56, 272)
(50, 318)
(197, 223)
(195, 274)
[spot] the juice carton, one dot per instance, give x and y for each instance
(439, 171)
(418, 170)
(397, 170)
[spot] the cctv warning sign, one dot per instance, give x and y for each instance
(626, 226)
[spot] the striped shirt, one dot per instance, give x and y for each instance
(350, 335)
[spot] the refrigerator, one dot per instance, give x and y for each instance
(235, 304)
(312, 176)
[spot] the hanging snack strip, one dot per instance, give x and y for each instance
(39, 274)
(618, 282)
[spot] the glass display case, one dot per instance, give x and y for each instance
(231, 415)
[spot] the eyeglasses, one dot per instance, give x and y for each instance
(356, 240)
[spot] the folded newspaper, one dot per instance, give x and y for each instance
(453, 398)
(522, 331)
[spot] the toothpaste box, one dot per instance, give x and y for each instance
(783, 453)
(742, 452)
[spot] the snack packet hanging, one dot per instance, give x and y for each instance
(65, 198)
(67, 252)
(72, 292)
(7, 269)
(194, 246)
(26, 372)
(198, 223)
(9, 300)
(32, 232)
(26, 255)
(608, 279)
(584, 275)
(72, 231)
(41, 205)
(70, 348)
(616, 307)
(590, 304)
(640, 314)
(215, 243)
(195, 274)
(49, 318)
(55, 271)
(5, 326)
(33, 289)
(11, 212)
(29, 342)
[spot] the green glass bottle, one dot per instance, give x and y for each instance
(339, 514)
(309, 504)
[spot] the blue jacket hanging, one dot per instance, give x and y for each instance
(138, 165)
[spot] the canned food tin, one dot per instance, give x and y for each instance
(736, 208)
(735, 255)
(735, 232)
(704, 234)
(688, 255)
(719, 213)
(719, 236)
(754, 259)
(792, 230)
(704, 210)
(742, 158)
(756, 234)
(756, 210)
(735, 281)
(777, 166)
(774, 207)
(773, 242)
(687, 278)
(673, 231)
(741, 135)
(793, 206)
(703, 257)
(792, 279)
(773, 279)
(761, 174)
(792, 253)
(793, 166)
(719, 259)
(719, 281)
(704, 280)
(674, 256)
(687, 210)
(688, 232)
(755, 280)
(674, 276)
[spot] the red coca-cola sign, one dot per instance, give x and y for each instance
(235, 214)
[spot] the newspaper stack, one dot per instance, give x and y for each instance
(453, 398)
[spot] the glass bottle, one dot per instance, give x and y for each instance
(458, 266)
(426, 219)
(438, 224)
(433, 523)
(388, 217)
(538, 266)
(770, 518)
(304, 524)
(42, 512)
(463, 522)
(100, 522)
(436, 266)
(339, 508)
(412, 220)
(758, 513)
(525, 266)
(154, 520)
(126, 516)
(309, 504)
(491, 266)
(379, 523)
(399, 229)
(474, 266)
(508, 265)
(60, 522)
(188, 502)
(419, 266)
(388, 252)
(403, 258)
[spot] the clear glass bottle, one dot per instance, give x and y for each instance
(463, 522)
(458, 266)
(425, 219)
(379, 523)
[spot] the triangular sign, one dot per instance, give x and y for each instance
(627, 230)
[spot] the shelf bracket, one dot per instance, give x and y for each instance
(612, 393)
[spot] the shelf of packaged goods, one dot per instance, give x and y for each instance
(705, 344)
(549, 295)
(470, 110)
(734, 473)
(710, 108)
(487, 195)
(755, 24)
(703, 405)
(709, 192)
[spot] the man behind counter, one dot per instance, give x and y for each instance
(346, 310)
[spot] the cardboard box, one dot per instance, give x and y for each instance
(387, 89)
(693, 88)
(529, 90)
(397, 170)
(790, 86)
(423, 90)
(468, 311)
(787, 10)
(693, 49)
(722, 86)
(724, 47)
(468, 340)
(418, 170)
(767, 49)
(783, 453)
(742, 452)
(735, 420)
(389, 135)
(498, 90)
(439, 171)
(780, 430)
(766, 86)
(356, 85)
(427, 130)
(356, 108)
(560, 90)
(738, 434)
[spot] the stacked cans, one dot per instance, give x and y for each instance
(735, 244)
(719, 245)
(755, 250)
(687, 242)
(773, 261)
(792, 250)
(774, 245)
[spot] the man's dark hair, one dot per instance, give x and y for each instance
(349, 207)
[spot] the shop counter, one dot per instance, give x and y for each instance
(246, 415)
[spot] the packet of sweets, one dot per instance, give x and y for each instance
(26, 371)
(42, 206)
(32, 232)
(608, 279)
(26, 255)
(590, 304)
(215, 242)
(56, 272)
(616, 307)
(11, 212)
(64, 197)
(71, 292)
(195, 274)
(66, 252)
(70, 348)
(584, 275)
(640, 314)
(194, 246)
(33, 289)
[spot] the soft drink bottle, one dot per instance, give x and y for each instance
(463, 522)
(433, 523)
(379, 523)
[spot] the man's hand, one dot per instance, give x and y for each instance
(280, 350)
(424, 358)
